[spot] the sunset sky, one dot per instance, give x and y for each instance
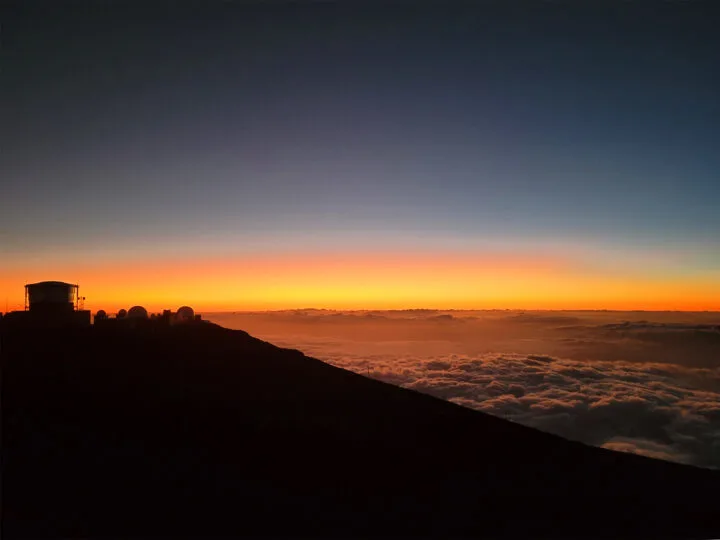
(269, 155)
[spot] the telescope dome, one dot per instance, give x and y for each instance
(137, 312)
(185, 314)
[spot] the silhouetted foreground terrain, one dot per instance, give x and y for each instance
(202, 430)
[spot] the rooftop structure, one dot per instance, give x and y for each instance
(51, 303)
(52, 297)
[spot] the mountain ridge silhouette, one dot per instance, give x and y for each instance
(197, 429)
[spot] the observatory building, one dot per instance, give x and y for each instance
(139, 317)
(51, 297)
(59, 304)
(137, 312)
(184, 314)
(52, 303)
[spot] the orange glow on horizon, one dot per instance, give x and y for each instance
(366, 281)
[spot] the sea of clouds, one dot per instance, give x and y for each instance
(647, 383)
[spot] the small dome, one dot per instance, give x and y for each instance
(137, 312)
(185, 313)
(121, 314)
(101, 314)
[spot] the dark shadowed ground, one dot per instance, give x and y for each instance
(202, 430)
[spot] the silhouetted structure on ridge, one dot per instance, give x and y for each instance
(137, 312)
(184, 314)
(51, 303)
(139, 316)
(59, 304)
(52, 297)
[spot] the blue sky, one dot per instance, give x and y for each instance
(338, 126)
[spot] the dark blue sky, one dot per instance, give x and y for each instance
(354, 125)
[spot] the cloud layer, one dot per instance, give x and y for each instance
(649, 409)
(610, 379)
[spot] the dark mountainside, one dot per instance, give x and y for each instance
(201, 430)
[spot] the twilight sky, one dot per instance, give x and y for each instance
(270, 155)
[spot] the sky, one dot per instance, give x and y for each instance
(268, 155)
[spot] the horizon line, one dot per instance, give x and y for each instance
(600, 310)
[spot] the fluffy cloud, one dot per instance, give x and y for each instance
(611, 379)
(640, 408)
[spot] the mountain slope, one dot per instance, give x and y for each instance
(203, 430)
